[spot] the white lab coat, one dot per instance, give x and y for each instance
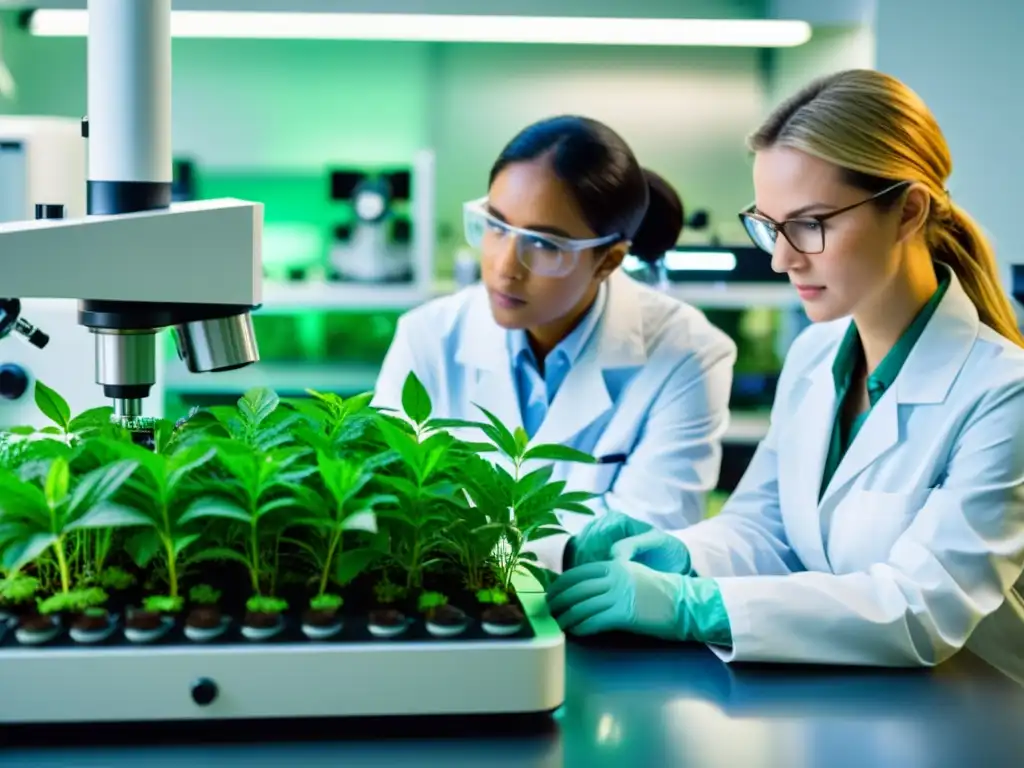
(917, 547)
(667, 417)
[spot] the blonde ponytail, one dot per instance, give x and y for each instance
(878, 131)
(957, 240)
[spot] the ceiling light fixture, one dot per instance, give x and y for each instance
(766, 33)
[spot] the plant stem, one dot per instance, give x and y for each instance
(335, 539)
(103, 541)
(255, 558)
(65, 573)
(172, 568)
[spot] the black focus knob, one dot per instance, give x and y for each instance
(13, 381)
(204, 691)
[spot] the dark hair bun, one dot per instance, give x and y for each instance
(662, 223)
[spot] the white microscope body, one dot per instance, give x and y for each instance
(110, 241)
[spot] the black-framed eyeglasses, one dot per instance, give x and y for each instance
(806, 233)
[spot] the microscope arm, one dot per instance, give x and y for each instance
(204, 252)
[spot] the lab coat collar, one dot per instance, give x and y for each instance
(617, 342)
(941, 351)
(925, 378)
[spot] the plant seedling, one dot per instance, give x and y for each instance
(74, 601)
(326, 493)
(158, 492)
(492, 596)
(326, 603)
(18, 588)
(163, 604)
(37, 519)
(204, 594)
(430, 600)
(116, 579)
(388, 592)
(267, 605)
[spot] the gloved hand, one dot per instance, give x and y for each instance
(655, 549)
(594, 543)
(623, 595)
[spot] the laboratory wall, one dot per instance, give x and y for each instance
(266, 117)
(966, 62)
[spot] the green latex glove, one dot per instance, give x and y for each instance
(627, 596)
(656, 550)
(594, 543)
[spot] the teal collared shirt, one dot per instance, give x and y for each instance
(848, 358)
(536, 392)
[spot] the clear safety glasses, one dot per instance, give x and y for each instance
(806, 234)
(539, 252)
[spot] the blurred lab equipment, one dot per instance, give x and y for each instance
(387, 233)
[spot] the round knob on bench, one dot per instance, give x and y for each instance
(204, 691)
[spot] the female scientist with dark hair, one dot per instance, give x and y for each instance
(560, 341)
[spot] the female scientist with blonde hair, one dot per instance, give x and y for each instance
(881, 520)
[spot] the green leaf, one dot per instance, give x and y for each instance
(350, 563)
(357, 403)
(108, 515)
(20, 498)
(143, 547)
(434, 449)
(558, 453)
(577, 497)
(533, 482)
(273, 505)
(500, 435)
(443, 491)
(53, 406)
(401, 486)
(211, 506)
(25, 550)
(181, 543)
(342, 478)
(219, 553)
(522, 440)
(57, 481)
(542, 575)
(257, 404)
(415, 399)
(94, 418)
(101, 484)
(467, 447)
(543, 532)
(187, 462)
(404, 444)
(571, 506)
(454, 424)
(363, 520)
(540, 502)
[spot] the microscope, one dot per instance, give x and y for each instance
(137, 263)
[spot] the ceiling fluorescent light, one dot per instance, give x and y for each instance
(451, 29)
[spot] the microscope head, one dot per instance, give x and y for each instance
(193, 268)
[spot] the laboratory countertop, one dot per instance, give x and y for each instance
(635, 704)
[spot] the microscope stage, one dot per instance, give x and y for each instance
(353, 674)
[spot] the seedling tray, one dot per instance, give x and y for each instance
(353, 674)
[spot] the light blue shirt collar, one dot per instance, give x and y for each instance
(536, 393)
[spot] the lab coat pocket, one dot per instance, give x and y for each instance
(866, 525)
